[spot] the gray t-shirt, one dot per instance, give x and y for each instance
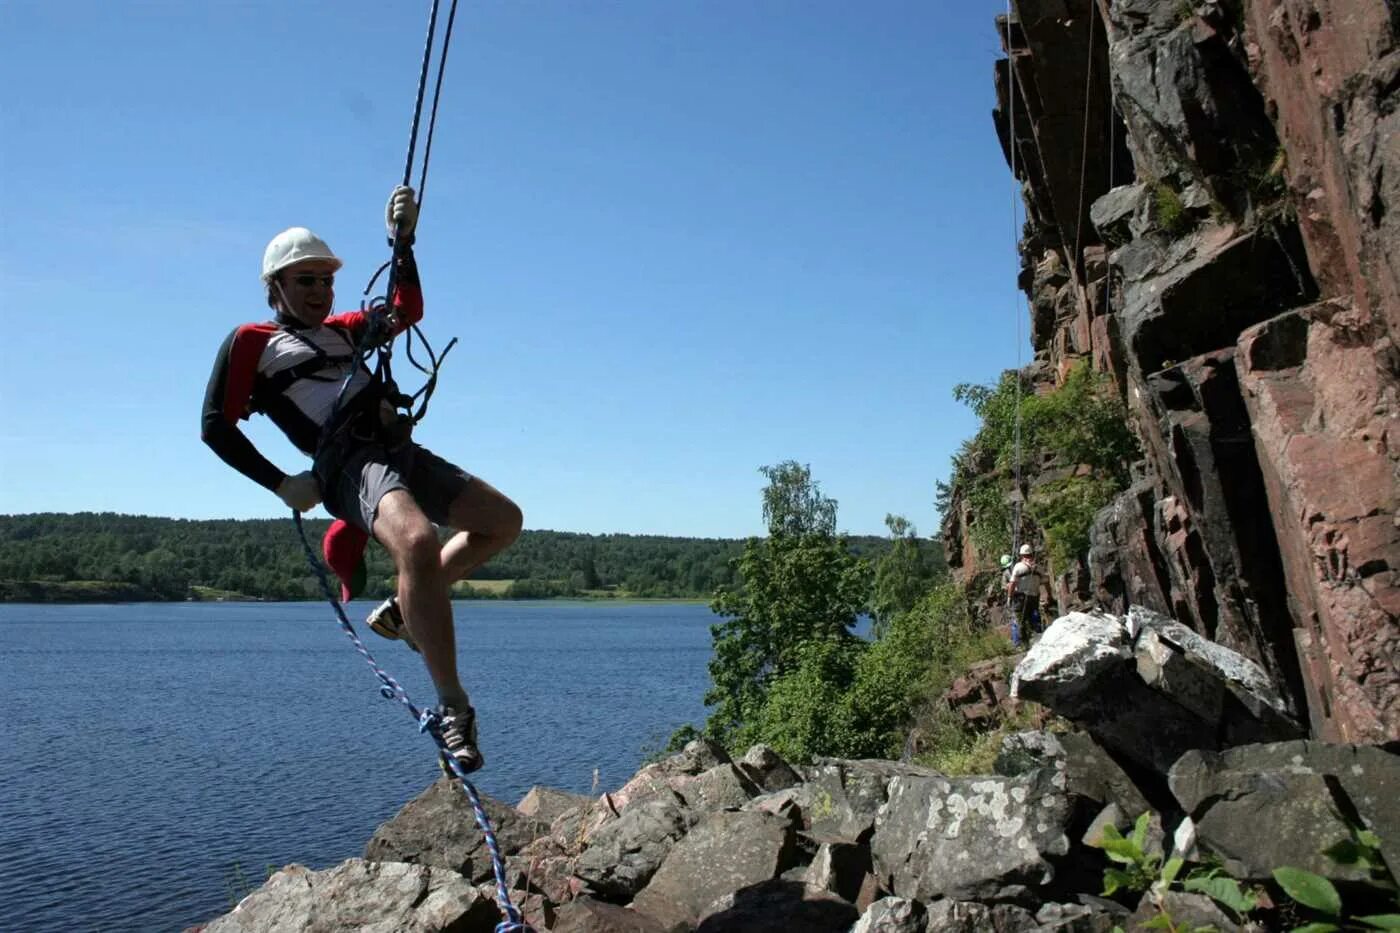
(1026, 578)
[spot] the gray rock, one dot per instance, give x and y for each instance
(1262, 806)
(1188, 911)
(767, 769)
(778, 907)
(1026, 751)
(952, 916)
(439, 829)
(1075, 918)
(1149, 688)
(376, 897)
(787, 803)
(1112, 214)
(547, 804)
(969, 838)
(1091, 772)
(723, 853)
(587, 915)
(1204, 677)
(839, 867)
(892, 915)
(623, 855)
(1064, 668)
(844, 795)
(721, 787)
(1110, 815)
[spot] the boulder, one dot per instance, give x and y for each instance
(1078, 918)
(623, 855)
(767, 769)
(952, 916)
(970, 838)
(892, 915)
(1149, 688)
(546, 804)
(587, 915)
(723, 853)
(1209, 680)
(1259, 807)
(376, 897)
(844, 795)
(722, 787)
(1188, 912)
(438, 828)
(839, 867)
(777, 906)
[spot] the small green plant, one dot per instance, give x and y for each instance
(1142, 871)
(1140, 868)
(1322, 900)
(1171, 211)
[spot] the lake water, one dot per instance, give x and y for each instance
(157, 758)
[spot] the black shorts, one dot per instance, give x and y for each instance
(354, 478)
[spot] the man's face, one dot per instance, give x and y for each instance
(309, 290)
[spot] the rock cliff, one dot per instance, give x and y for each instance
(1211, 194)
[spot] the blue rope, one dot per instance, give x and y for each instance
(429, 722)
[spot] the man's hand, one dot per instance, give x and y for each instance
(401, 214)
(300, 491)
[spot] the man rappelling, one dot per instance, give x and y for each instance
(303, 370)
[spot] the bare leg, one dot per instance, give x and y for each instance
(408, 536)
(487, 524)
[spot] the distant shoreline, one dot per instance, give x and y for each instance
(116, 598)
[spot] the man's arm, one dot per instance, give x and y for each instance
(225, 402)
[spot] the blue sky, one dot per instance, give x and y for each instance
(676, 240)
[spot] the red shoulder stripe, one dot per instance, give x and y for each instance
(248, 345)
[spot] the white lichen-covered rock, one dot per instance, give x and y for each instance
(970, 838)
(1200, 674)
(1075, 652)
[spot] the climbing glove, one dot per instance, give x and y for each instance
(300, 491)
(401, 214)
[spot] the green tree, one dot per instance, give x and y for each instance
(799, 585)
(902, 575)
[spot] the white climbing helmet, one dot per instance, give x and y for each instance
(1026, 550)
(291, 246)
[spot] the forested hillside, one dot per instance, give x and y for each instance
(101, 556)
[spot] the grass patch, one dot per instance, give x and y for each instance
(493, 587)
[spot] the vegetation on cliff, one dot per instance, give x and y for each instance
(787, 669)
(1075, 439)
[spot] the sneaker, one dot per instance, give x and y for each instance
(459, 735)
(386, 621)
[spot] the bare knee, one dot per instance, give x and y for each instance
(418, 550)
(407, 535)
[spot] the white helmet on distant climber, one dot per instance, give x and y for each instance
(1026, 550)
(291, 246)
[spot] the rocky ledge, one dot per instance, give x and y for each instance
(1172, 724)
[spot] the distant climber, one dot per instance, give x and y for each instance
(1023, 587)
(366, 468)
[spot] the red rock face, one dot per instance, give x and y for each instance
(1328, 69)
(1238, 278)
(1321, 391)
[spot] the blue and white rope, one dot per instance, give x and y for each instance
(428, 721)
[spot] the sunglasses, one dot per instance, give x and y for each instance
(306, 281)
